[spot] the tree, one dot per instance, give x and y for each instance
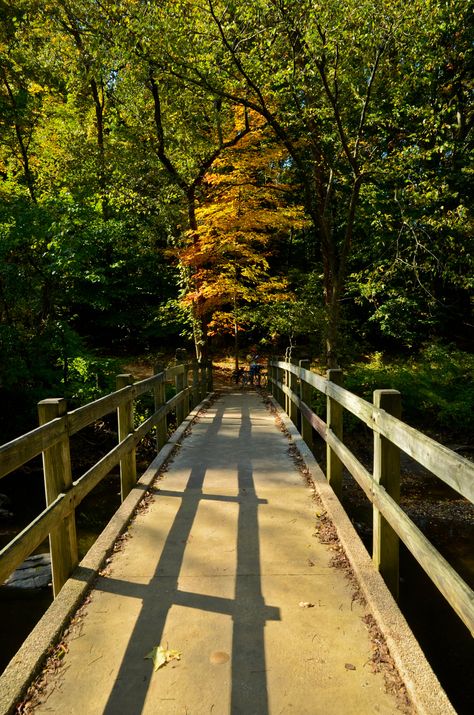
(413, 274)
(246, 211)
(318, 75)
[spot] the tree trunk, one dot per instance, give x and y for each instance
(99, 116)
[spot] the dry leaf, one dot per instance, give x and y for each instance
(160, 656)
(349, 666)
(305, 604)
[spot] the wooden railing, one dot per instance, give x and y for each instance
(292, 385)
(63, 495)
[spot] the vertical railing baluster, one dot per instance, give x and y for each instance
(159, 395)
(186, 400)
(58, 479)
(209, 376)
(281, 380)
(334, 421)
(179, 384)
(195, 388)
(292, 383)
(305, 396)
(128, 463)
(385, 551)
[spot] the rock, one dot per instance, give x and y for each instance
(35, 572)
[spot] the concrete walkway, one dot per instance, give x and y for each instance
(216, 567)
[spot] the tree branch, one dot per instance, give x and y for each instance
(162, 155)
(365, 106)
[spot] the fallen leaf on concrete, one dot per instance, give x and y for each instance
(305, 604)
(160, 656)
(349, 666)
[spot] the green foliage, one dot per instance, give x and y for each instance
(119, 132)
(86, 378)
(437, 386)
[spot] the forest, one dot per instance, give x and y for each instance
(284, 174)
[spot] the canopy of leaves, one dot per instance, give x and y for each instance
(305, 167)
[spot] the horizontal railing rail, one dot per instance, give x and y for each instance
(291, 385)
(63, 494)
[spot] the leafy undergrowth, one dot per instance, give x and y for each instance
(437, 388)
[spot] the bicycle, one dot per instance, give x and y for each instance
(246, 378)
(256, 379)
(237, 375)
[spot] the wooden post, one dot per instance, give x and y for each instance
(195, 390)
(275, 375)
(58, 479)
(334, 423)
(385, 550)
(186, 401)
(202, 380)
(128, 463)
(159, 394)
(292, 382)
(179, 383)
(281, 380)
(305, 396)
(271, 376)
(210, 380)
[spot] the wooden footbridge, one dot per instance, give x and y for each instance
(230, 580)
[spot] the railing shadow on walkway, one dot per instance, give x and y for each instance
(248, 610)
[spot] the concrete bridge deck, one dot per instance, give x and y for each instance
(217, 566)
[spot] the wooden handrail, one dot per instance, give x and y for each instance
(451, 468)
(19, 451)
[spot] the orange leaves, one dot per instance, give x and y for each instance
(246, 211)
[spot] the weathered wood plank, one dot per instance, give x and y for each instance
(305, 395)
(292, 381)
(449, 583)
(159, 398)
(179, 384)
(187, 391)
(87, 414)
(128, 463)
(195, 384)
(210, 377)
(24, 543)
(312, 378)
(454, 589)
(280, 376)
(172, 372)
(20, 450)
(334, 420)
(100, 469)
(146, 426)
(319, 425)
(148, 384)
(386, 472)
(292, 396)
(356, 405)
(451, 468)
(58, 480)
